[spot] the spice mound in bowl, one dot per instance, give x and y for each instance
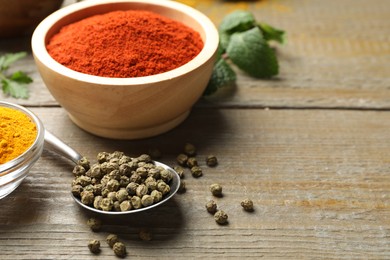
(125, 44)
(126, 69)
(21, 145)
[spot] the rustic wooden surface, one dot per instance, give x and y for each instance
(311, 148)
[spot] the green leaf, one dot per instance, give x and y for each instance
(251, 53)
(21, 77)
(14, 88)
(9, 58)
(237, 21)
(222, 76)
(271, 33)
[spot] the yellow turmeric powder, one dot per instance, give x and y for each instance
(17, 133)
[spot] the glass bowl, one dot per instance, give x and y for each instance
(13, 172)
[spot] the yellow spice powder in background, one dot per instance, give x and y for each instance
(17, 133)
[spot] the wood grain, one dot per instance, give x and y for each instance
(319, 181)
(310, 148)
(336, 56)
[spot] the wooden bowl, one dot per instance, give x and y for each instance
(20, 17)
(127, 108)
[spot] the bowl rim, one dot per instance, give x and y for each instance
(24, 157)
(40, 53)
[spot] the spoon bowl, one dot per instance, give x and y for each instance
(56, 145)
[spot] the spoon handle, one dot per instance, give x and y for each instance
(54, 144)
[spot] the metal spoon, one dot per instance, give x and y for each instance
(54, 144)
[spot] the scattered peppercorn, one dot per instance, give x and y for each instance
(111, 239)
(216, 189)
(182, 159)
(94, 246)
(220, 217)
(247, 204)
(196, 171)
(191, 162)
(119, 249)
(180, 171)
(189, 149)
(94, 224)
(182, 187)
(211, 161)
(211, 207)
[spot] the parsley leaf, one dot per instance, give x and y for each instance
(251, 53)
(15, 84)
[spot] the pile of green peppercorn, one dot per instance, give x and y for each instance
(120, 183)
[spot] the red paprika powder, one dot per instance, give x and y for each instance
(124, 44)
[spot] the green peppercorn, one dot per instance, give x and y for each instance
(247, 204)
(221, 217)
(211, 207)
(136, 202)
(180, 171)
(141, 190)
(87, 197)
(112, 196)
(191, 162)
(76, 190)
(83, 180)
(211, 160)
(144, 158)
(125, 205)
(123, 160)
(122, 195)
(84, 162)
(182, 187)
(182, 159)
(151, 185)
(142, 172)
(124, 181)
(196, 171)
(97, 202)
(102, 157)
(135, 178)
(156, 195)
(163, 187)
(216, 189)
(95, 172)
(125, 169)
(166, 175)
(132, 188)
(94, 246)
(147, 200)
(112, 185)
(111, 240)
(78, 170)
(155, 173)
(189, 149)
(106, 204)
(119, 249)
(94, 224)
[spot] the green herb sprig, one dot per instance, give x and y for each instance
(15, 84)
(245, 42)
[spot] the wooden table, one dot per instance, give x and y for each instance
(311, 148)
